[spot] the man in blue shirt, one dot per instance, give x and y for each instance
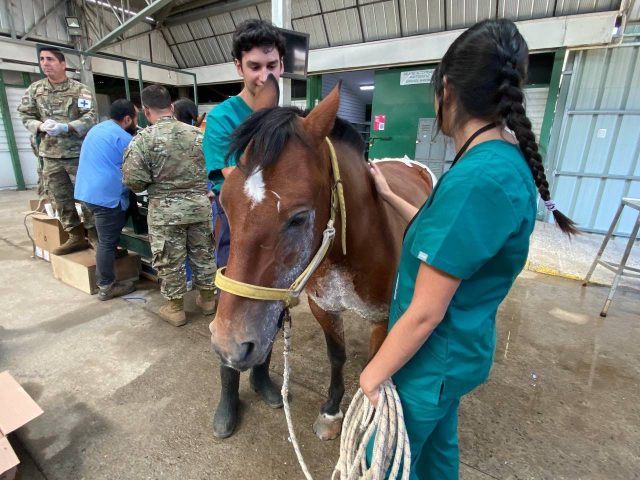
(99, 187)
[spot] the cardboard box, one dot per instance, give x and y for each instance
(16, 409)
(79, 269)
(47, 234)
(34, 204)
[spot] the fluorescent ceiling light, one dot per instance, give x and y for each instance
(367, 87)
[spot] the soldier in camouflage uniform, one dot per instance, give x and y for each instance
(60, 111)
(166, 159)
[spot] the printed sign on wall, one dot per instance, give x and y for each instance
(378, 122)
(415, 77)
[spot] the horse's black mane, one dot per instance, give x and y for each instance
(266, 132)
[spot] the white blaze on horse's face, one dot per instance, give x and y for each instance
(254, 188)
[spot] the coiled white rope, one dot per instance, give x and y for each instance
(391, 444)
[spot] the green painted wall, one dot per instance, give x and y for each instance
(403, 106)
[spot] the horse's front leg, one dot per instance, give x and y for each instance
(377, 335)
(329, 422)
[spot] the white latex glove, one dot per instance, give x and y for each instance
(48, 123)
(56, 129)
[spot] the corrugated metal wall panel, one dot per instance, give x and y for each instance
(4, 18)
(26, 14)
(201, 28)
(243, 14)
(211, 50)
(344, 27)
(28, 160)
(536, 102)
(525, 9)
(313, 26)
(464, 13)
(161, 52)
(419, 16)
(222, 23)
(596, 158)
(380, 21)
(264, 9)
(190, 54)
(180, 33)
(573, 7)
(328, 5)
(351, 108)
(303, 8)
(226, 44)
(634, 13)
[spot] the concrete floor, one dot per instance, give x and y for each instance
(127, 396)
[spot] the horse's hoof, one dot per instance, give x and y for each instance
(328, 427)
(225, 419)
(268, 391)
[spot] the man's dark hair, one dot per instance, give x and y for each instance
(257, 33)
(122, 108)
(55, 52)
(156, 97)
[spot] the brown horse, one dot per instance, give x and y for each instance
(278, 202)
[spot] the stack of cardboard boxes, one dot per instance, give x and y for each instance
(76, 269)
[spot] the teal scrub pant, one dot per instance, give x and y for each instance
(433, 439)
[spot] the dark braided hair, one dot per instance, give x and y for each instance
(485, 68)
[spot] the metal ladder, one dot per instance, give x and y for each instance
(617, 268)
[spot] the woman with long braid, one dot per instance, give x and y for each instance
(465, 246)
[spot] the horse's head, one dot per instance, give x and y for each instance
(278, 203)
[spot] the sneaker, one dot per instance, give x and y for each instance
(116, 289)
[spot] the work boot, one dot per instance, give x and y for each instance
(207, 302)
(116, 289)
(75, 242)
(92, 236)
(121, 252)
(173, 312)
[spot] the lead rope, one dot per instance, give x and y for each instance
(360, 423)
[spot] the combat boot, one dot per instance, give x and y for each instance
(206, 300)
(75, 242)
(173, 312)
(92, 236)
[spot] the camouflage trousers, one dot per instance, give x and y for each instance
(170, 245)
(59, 175)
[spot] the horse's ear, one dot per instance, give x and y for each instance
(267, 95)
(320, 120)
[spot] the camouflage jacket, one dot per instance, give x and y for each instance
(68, 102)
(166, 159)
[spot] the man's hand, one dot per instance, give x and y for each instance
(54, 128)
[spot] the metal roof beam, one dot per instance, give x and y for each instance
(137, 18)
(213, 9)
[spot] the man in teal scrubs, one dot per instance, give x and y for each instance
(258, 51)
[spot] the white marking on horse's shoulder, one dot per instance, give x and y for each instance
(409, 163)
(336, 293)
(254, 188)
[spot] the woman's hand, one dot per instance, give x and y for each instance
(380, 181)
(370, 387)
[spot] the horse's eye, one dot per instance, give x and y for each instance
(297, 220)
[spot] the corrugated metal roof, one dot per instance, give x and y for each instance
(340, 22)
(380, 21)
(464, 13)
(525, 9)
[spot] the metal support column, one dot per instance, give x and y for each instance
(281, 17)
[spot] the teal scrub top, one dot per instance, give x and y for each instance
(221, 122)
(474, 226)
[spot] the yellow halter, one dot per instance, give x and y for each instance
(291, 296)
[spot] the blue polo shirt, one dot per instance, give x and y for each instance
(99, 177)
